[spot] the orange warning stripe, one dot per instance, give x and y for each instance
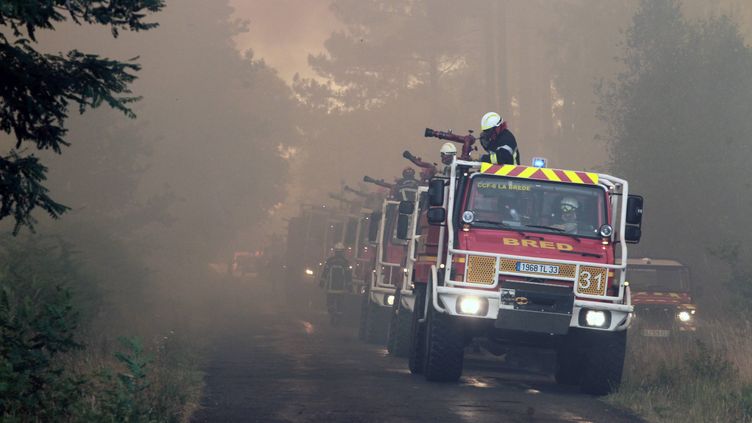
(544, 174)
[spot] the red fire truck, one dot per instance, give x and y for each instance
(388, 269)
(515, 266)
(662, 297)
(398, 341)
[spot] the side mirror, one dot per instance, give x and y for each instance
(403, 221)
(373, 227)
(436, 215)
(406, 207)
(436, 192)
(634, 210)
(632, 234)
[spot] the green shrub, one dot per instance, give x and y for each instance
(37, 327)
(45, 373)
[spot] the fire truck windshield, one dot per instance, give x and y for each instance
(535, 206)
(658, 279)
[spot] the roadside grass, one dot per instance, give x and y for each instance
(702, 377)
(130, 381)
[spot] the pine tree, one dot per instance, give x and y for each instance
(38, 89)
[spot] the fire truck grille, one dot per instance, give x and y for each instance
(592, 280)
(655, 316)
(481, 270)
(509, 265)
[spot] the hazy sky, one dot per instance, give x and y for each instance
(284, 32)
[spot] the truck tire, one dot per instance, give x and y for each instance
(445, 347)
(376, 324)
(417, 351)
(362, 327)
(569, 361)
(392, 331)
(399, 331)
(604, 362)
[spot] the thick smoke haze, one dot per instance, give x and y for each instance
(285, 32)
(229, 141)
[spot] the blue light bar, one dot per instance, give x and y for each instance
(539, 162)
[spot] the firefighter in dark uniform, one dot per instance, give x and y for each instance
(498, 141)
(336, 278)
(408, 179)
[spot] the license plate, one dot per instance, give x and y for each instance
(537, 268)
(656, 333)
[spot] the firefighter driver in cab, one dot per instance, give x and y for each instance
(336, 279)
(498, 141)
(567, 214)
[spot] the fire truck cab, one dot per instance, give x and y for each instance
(525, 256)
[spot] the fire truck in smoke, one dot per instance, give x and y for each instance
(398, 341)
(524, 256)
(388, 267)
(311, 238)
(662, 297)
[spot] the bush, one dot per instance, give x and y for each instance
(45, 374)
(37, 326)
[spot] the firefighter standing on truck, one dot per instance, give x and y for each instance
(448, 152)
(498, 141)
(336, 278)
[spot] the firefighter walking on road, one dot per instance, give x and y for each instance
(498, 141)
(336, 279)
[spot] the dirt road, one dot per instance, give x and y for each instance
(270, 362)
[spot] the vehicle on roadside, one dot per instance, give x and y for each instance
(245, 263)
(512, 268)
(662, 297)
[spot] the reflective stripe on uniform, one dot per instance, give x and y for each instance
(509, 149)
(493, 159)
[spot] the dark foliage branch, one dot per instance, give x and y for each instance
(36, 90)
(21, 190)
(24, 17)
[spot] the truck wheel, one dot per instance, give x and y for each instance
(417, 350)
(569, 361)
(362, 328)
(392, 331)
(376, 324)
(604, 362)
(445, 347)
(401, 330)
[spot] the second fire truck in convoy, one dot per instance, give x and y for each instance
(524, 256)
(398, 342)
(388, 267)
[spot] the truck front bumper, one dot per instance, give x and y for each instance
(516, 315)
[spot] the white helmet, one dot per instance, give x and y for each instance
(490, 120)
(339, 247)
(448, 148)
(569, 204)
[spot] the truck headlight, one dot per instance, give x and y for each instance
(684, 316)
(595, 318)
(309, 272)
(474, 306)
